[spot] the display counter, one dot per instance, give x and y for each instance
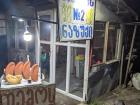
(39, 94)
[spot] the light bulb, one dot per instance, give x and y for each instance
(20, 20)
(27, 36)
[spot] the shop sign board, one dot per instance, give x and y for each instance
(76, 18)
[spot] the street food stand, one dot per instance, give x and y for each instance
(21, 78)
(79, 44)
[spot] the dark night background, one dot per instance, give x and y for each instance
(134, 4)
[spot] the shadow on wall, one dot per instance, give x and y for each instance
(102, 79)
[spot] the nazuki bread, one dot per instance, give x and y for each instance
(34, 72)
(10, 68)
(26, 70)
(19, 68)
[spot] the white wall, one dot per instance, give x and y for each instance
(104, 14)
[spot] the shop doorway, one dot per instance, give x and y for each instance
(63, 63)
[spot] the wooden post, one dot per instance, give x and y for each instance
(105, 42)
(121, 66)
(130, 54)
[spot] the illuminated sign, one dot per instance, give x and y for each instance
(76, 19)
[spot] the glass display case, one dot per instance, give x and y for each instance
(22, 79)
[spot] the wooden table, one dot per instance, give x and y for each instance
(42, 94)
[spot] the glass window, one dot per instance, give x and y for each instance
(45, 28)
(2, 27)
(97, 44)
(112, 44)
(77, 71)
(3, 46)
(45, 61)
(18, 48)
(61, 62)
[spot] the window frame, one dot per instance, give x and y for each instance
(3, 27)
(118, 45)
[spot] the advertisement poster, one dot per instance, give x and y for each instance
(76, 19)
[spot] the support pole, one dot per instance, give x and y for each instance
(121, 67)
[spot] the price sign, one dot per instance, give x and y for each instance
(76, 19)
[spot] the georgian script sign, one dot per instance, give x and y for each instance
(36, 95)
(76, 19)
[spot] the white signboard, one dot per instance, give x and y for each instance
(76, 19)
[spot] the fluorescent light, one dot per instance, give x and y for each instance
(27, 36)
